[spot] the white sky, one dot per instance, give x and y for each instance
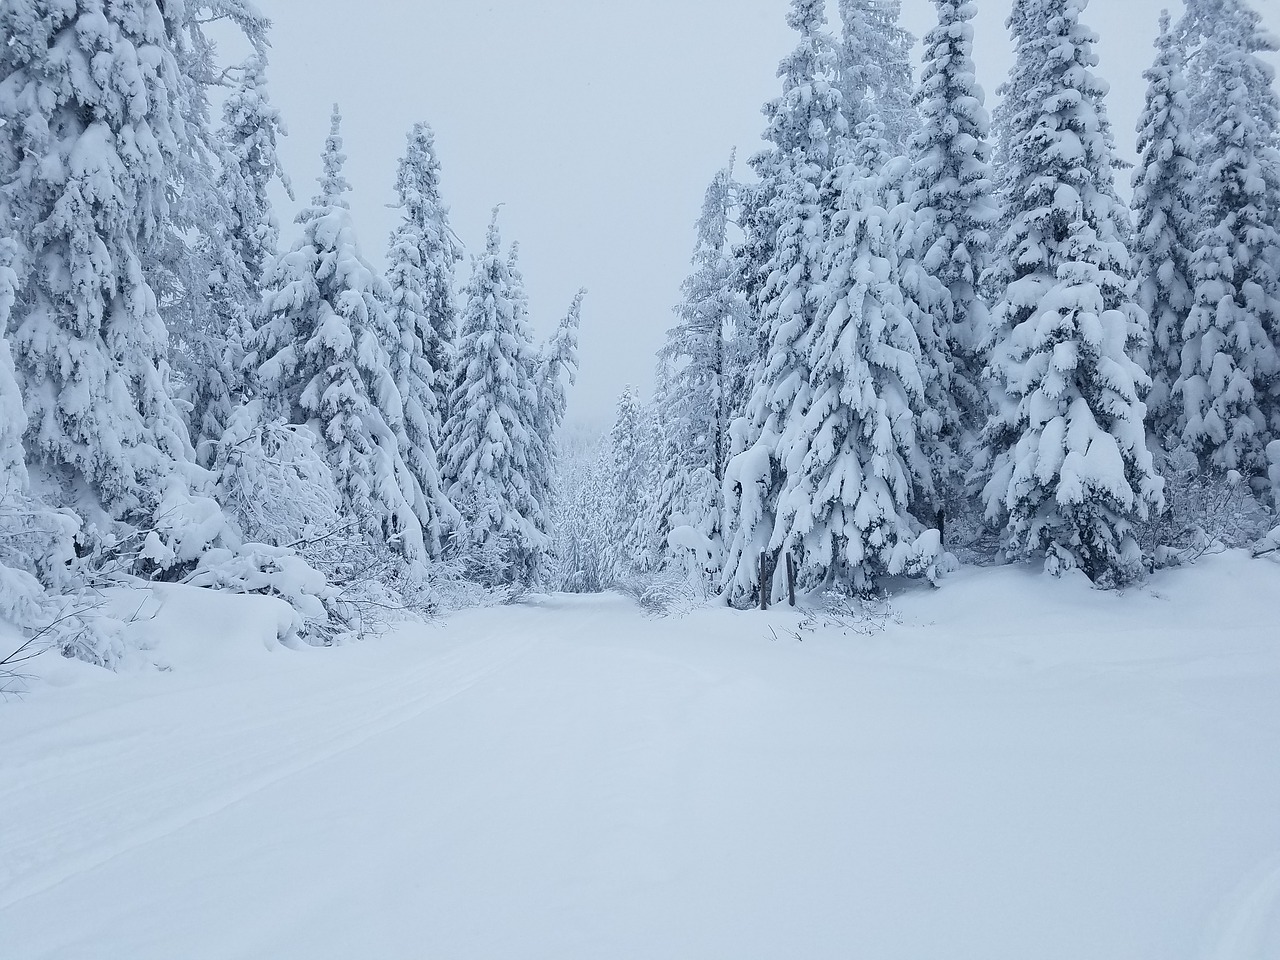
(597, 124)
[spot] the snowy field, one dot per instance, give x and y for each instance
(1022, 769)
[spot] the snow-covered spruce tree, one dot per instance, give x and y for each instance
(318, 357)
(1227, 390)
(1069, 466)
(557, 371)
(855, 463)
(426, 223)
(875, 69)
(805, 129)
(185, 254)
(35, 541)
(491, 438)
(419, 276)
(694, 379)
(954, 209)
(1163, 206)
(1016, 105)
(630, 457)
(85, 170)
(237, 251)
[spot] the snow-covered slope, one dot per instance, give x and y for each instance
(1022, 768)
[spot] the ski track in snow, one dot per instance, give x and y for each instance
(251, 773)
(572, 781)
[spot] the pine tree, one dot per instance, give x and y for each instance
(319, 358)
(694, 379)
(237, 250)
(1163, 204)
(184, 260)
(557, 370)
(629, 453)
(1227, 388)
(85, 169)
(491, 438)
(856, 465)
(955, 210)
(1070, 470)
(875, 69)
(805, 128)
(426, 220)
(421, 306)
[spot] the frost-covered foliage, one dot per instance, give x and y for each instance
(954, 207)
(1226, 395)
(419, 275)
(556, 372)
(425, 226)
(632, 546)
(491, 441)
(806, 128)
(694, 382)
(319, 357)
(35, 542)
(875, 69)
(854, 463)
(85, 170)
(237, 248)
(1069, 469)
(579, 561)
(1165, 234)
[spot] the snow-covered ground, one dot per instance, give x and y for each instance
(1022, 769)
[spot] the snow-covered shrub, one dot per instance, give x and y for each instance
(1273, 459)
(1205, 512)
(664, 593)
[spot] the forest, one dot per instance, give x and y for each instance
(914, 336)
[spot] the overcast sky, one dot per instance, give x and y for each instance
(596, 124)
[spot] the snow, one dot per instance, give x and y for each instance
(568, 779)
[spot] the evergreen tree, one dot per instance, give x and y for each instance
(1227, 389)
(557, 370)
(695, 379)
(875, 69)
(320, 359)
(85, 170)
(491, 440)
(421, 304)
(1163, 204)
(237, 249)
(856, 464)
(954, 207)
(1069, 466)
(426, 224)
(805, 128)
(630, 460)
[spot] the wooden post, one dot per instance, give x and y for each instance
(764, 580)
(791, 579)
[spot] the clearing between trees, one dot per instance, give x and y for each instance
(1008, 767)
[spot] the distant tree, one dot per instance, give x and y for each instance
(630, 473)
(556, 371)
(319, 357)
(491, 440)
